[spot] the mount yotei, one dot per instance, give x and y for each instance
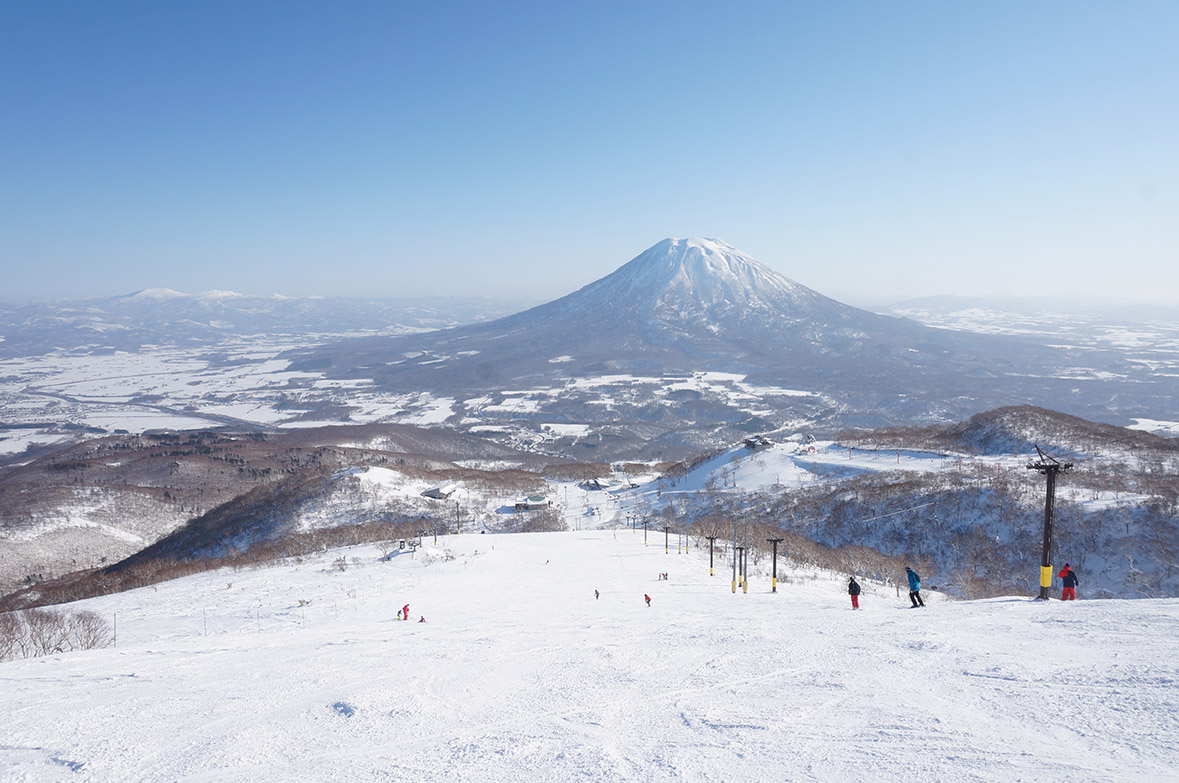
(693, 342)
(683, 305)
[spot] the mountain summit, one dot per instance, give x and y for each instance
(694, 279)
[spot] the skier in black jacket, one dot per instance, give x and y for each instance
(1068, 581)
(853, 589)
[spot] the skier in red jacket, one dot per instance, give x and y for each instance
(647, 598)
(405, 612)
(1068, 579)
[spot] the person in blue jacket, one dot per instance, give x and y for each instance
(914, 587)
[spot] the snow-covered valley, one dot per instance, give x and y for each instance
(300, 671)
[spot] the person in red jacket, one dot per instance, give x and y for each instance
(1068, 579)
(647, 598)
(405, 612)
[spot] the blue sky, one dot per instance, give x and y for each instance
(866, 149)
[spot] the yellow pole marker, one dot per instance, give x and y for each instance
(1046, 576)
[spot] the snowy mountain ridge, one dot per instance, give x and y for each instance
(210, 296)
(974, 524)
(165, 317)
(155, 295)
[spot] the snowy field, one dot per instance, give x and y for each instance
(520, 674)
(236, 382)
(243, 382)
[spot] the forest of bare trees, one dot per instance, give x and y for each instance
(976, 532)
(37, 632)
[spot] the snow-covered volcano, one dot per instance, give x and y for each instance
(702, 280)
(684, 290)
(683, 305)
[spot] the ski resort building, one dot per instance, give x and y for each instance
(441, 491)
(532, 503)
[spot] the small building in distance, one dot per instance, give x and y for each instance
(594, 485)
(441, 491)
(532, 502)
(758, 442)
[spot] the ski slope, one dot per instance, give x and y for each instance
(520, 674)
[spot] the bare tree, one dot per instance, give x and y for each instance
(47, 631)
(11, 629)
(88, 631)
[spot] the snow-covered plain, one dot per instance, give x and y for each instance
(242, 382)
(520, 674)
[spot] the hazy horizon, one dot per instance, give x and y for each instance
(863, 300)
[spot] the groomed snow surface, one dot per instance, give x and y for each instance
(520, 674)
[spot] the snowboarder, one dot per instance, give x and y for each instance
(1068, 578)
(595, 593)
(423, 619)
(404, 612)
(853, 589)
(647, 598)
(914, 587)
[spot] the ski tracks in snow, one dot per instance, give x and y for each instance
(521, 674)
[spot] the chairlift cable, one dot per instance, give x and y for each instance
(894, 513)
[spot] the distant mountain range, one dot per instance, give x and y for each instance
(161, 316)
(1088, 307)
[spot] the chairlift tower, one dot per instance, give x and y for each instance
(775, 542)
(734, 554)
(1050, 467)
